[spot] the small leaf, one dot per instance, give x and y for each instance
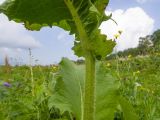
(100, 45)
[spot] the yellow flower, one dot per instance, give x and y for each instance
(135, 73)
(129, 56)
(54, 68)
(116, 36)
(108, 64)
(138, 72)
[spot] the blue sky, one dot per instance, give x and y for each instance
(151, 7)
(135, 17)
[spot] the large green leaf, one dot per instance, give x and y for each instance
(106, 94)
(80, 17)
(69, 89)
(50, 12)
(68, 95)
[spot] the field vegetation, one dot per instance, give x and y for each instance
(105, 86)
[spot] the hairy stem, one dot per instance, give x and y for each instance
(89, 98)
(89, 92)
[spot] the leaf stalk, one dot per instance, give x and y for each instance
(88, 111)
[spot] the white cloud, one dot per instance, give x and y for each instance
(14, 39)
(134, 23)
(13, 35)
(1, 1)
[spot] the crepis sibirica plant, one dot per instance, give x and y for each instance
(81, 18)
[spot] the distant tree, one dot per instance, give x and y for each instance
(145, 45)
(156, 40)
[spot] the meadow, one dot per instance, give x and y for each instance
(24, 99)
(121, 88)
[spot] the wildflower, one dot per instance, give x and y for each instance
(138, 72)
(130, 56)
(108, 64)
(54, 68)
(116, 36)
(7, 84)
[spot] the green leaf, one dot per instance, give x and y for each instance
(37, 12)
(128, 110)
(68, 94)
(106, 94)
(100, 45)
(80, 17)
(69, 91)
(50, 12)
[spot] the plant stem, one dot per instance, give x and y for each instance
(31, 70)
(88, 110)
(89, 97)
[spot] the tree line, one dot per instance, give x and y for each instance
(148, 45)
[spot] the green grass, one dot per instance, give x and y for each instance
(139, 83)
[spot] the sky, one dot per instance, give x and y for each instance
(136, 18)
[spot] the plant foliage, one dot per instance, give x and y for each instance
(69, 92)
(80, 17)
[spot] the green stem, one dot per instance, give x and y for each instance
(31, 71)
(88, 109)
(89, 97)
